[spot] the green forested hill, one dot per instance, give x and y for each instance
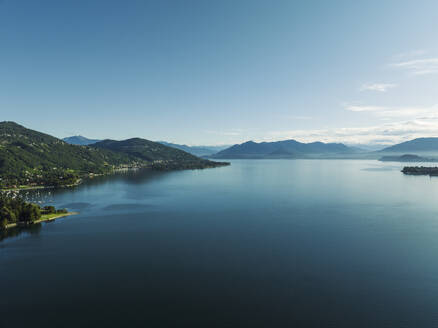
(31, 157)
(161, 156)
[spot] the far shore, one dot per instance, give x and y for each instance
(44, 218)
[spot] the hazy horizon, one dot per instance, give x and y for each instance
(369, 147)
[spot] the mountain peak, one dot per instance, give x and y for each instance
(10, 124)
(80, 140)
(418, 144)
(251, 149)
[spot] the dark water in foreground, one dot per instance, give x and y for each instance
(257, 244)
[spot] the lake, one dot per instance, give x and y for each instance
(261, 243)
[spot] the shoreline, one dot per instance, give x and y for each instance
(24, 187)
(41, 220)
(113, 172)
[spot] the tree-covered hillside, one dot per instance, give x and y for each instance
(31, 157)
(28, 157)
(161, 156)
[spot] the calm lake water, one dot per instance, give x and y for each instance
(262, 243)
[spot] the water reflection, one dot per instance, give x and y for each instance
(133, 177)
(127, 206)
(33, 229)
(47, 196)
(77, 206)
(138, 176)
(269, 243)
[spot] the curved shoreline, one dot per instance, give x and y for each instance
(115, 171)
(48, 218)
(24, 187)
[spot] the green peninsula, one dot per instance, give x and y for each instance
(14, 211)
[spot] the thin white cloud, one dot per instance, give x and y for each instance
(358, 108)
(384, 134)
(395, 112)
(410, 54)
(409, 112)
(406, 122)
(422, 66)
(379, 87)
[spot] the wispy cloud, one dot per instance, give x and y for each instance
(384, 134)
(379, 87)
(402, 122)
(395, 112)
(358, 108)
(410, 54)
(421, 66)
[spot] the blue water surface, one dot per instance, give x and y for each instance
(260, 243)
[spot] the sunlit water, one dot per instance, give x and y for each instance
(262, 243)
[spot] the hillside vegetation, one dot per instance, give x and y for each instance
(29, 157)
(159, 155)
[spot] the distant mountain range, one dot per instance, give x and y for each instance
(288, 148)
(31, 157)
(415, 145)
(282, 149)
(80, 140)
(194, 150)
(366, 147)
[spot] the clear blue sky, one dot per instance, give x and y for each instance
(221, 72)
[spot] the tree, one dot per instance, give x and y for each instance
(30, 213)
(7, 214)
(49, 209)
